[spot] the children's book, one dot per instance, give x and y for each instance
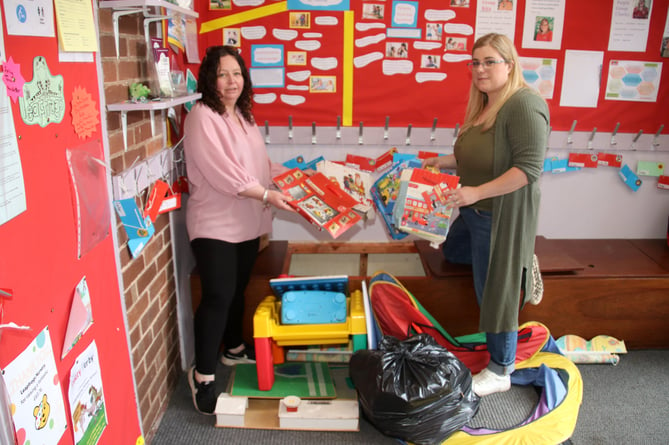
(384, 194)
(319, 200)
(421, 207)
(353, 181)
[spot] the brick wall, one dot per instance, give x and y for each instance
(149, 288)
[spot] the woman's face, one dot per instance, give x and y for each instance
(230, 81)
(490, 79)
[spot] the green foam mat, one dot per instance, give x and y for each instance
(307, 380)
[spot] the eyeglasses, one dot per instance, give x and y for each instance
(487, 64)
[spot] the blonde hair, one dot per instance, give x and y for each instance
(477, 99)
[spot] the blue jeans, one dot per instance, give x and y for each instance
(468, 242)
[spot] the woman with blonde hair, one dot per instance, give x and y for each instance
(499, 158)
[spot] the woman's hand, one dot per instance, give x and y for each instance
(279, 200)
(463, 196)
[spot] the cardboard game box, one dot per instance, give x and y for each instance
(320, 201)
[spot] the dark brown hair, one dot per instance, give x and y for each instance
(208, 77)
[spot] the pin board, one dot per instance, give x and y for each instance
(64, 350)
(405, 62)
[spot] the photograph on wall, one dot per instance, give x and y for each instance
(219, 4)
(373, 11)
(429, 61)
(397, 49)
(543, 24)
(296, 58)
(456, 44)
(322, 84)
(300, 20)
(433, 31)
(231, 37)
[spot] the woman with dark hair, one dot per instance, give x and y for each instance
(499, 157)
(229, 175)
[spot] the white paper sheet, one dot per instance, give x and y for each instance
(581, 78)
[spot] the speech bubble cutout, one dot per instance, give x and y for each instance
(268, 55)
(284, 34)
(43, 100)
(12, 78)
(426, 45)
(292, 99)
(430, 77)
(248, 2)
(458, 28)
(450, 57)
(391, 67)
(254, 32)
(368, 26)
(297, 87)
(299, 76)
(366, 59)
(405, 14)
(265, 98)
(324, 63)
(439, 15)
(312, 35)
(308, 45)
(326, 21)
(369, 40)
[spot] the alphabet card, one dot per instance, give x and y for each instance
(36, 397)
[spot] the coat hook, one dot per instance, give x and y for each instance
(290, 127)
(434, 129)
(266, 132)
(385, 128)
(571, 133)
(455, 133)
(613, 135)
(656, 142)
(360, 141)
(408, 139)
(636, 138)
(592, 136)
(313, 133)
(338, 132)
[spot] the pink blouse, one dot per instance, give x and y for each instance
(223, 159)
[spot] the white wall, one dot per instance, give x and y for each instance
(589, 203)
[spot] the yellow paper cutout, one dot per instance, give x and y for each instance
(242, 17)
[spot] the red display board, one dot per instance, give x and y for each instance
(375, 96)
(40, 261)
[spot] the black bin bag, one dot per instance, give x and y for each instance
(414, 389)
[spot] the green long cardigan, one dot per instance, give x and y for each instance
(521, 134)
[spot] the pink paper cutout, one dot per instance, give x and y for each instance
(11, 76)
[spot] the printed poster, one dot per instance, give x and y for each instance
(630, 22)
(633, 80)
(87, 402)
(543, 24)
(496, 16)
(34, 390)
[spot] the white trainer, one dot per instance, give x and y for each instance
(487, 382)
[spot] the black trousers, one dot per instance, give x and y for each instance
(225, 270)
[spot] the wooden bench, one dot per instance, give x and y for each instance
(609, 286)
(606, 286)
